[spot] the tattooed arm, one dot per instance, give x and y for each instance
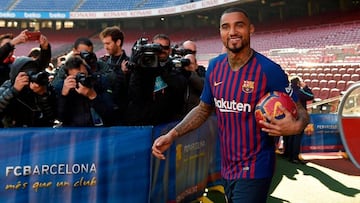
(194, 119)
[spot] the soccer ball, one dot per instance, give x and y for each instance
(269, 104)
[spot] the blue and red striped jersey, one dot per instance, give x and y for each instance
(246, 151)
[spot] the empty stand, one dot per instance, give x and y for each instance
(45, 5)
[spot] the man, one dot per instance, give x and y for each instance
(195, 85)
(27, 99)
(116, 58)
(234, 83)
(191, 46)
(84, 48)
(83, 101)
(155, 93)
(292, 144)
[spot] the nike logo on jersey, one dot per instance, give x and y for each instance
(217, 84)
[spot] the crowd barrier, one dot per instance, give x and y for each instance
(115, 164)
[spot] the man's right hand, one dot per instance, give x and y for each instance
(21, 80)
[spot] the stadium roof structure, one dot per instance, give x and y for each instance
(94, 9)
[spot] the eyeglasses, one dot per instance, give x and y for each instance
(165, 47)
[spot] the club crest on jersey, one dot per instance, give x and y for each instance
(248, 86)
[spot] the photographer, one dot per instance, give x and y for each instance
(83, 101)
(27, 99)
(83, 47)
(116, 58)
(194, 86)
(156, 87)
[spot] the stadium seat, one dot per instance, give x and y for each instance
(321, 76)
(337, 76)
(324, 93)
(313, 76)
(306, 76)
(355, 77)
(331, 84)
(346, 77)
(307, 82)
(357, 71)
(341, 85)
(350, 70)
(319, 70)
(349, 83)
(314, 83)
(334, 70)
(323, 83)
(328, 76)
(327, 70)
(316, 91)
(342, 70)
(334, 93)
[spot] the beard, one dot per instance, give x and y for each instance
(236, 48)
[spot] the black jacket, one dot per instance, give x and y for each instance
(119, 85)
(76, 110)
(5, 50)
(26, 108)
(156, 95)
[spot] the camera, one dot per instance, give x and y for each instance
(177, 51)
(144, 54)
(84, 80)
(41, 78)
(180, 62)
(89, 57)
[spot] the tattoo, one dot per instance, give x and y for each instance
(194, 119)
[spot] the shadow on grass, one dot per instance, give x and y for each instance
(289, 170)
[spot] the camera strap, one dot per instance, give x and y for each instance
(97, 120)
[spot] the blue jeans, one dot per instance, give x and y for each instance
(247, 190)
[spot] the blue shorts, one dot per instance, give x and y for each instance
(247, 190)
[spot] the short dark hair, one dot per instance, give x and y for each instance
(161, 36)
(236, 10)
(74, 62)
(115, 33)
(83, 40)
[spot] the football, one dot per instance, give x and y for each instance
(269, 104)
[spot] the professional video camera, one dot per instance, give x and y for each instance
(84, 80)
(41, 78)
(180, 62)
(144, 54)
(177, 51)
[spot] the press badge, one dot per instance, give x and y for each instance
(159, 84)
